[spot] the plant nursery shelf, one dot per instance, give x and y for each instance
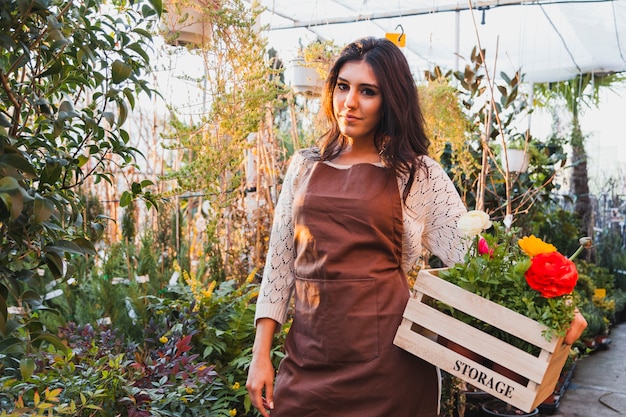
(424, 327)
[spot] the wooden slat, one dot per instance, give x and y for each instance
(518, 395)
(475, 340)
(542, 372)
(483, 309)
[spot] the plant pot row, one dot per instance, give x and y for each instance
(481, 404)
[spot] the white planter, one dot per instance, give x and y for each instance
(305, 79)
(186, 22)
(518, 160)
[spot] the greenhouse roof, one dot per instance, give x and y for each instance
(547, 40)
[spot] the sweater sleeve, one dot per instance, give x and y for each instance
(278, 275)
(431, 212)
(442, 237)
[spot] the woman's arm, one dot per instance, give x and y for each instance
(261, 372)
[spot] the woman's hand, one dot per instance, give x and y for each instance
(261, 379)
(577, 326)
(261, 372)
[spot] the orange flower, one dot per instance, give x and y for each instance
(534, 246)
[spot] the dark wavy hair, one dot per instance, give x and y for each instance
(401, 136)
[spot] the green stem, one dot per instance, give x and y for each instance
(580, 249)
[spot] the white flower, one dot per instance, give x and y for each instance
(473, 222)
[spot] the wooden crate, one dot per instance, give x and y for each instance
(427, 332)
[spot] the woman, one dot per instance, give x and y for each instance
(351, 219)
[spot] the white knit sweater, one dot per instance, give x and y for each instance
(429, 216)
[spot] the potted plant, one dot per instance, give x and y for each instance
(310, 68)
(305, 78)
(516, 154)
(509, 305)
(525, 275)
(188, 22)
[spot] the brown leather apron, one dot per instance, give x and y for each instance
(349, 299)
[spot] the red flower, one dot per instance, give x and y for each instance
(483, 247)
(552, 274)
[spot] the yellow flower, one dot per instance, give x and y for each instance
(163, 339)
(534, 246)
(233, 412)
(209, 291)
(236, 386)
(189, 390)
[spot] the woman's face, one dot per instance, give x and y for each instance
(357, 101)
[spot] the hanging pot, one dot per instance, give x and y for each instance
(187, 22)
(517, 159)
(305, 79)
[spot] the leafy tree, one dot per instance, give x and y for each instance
(70, 73)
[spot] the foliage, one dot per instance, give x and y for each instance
(104, 376)
(447, 125)
(555, 225)
(496, 268)
(320, 55)
(223, 318)
(611, 252)
(575, 94)
(241, 89)
(490, 117)
(192, 359)
(69, 76)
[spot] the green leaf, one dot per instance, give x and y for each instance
(43, 209)
(85, 245)
(8, 184)
(120, 71)
(4, 121)
(139, 50)
(55, 264)
(27, 367)
(109, 117)
(53, 340)
(55, 68)
(62, 246)
(31, 297)
(11, 344)
(17, 161)
(4, 315)
(123, 113)
(51, 173)
(158, 6)
(82, 160)
(125, 199)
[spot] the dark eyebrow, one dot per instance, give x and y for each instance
(374, 86)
